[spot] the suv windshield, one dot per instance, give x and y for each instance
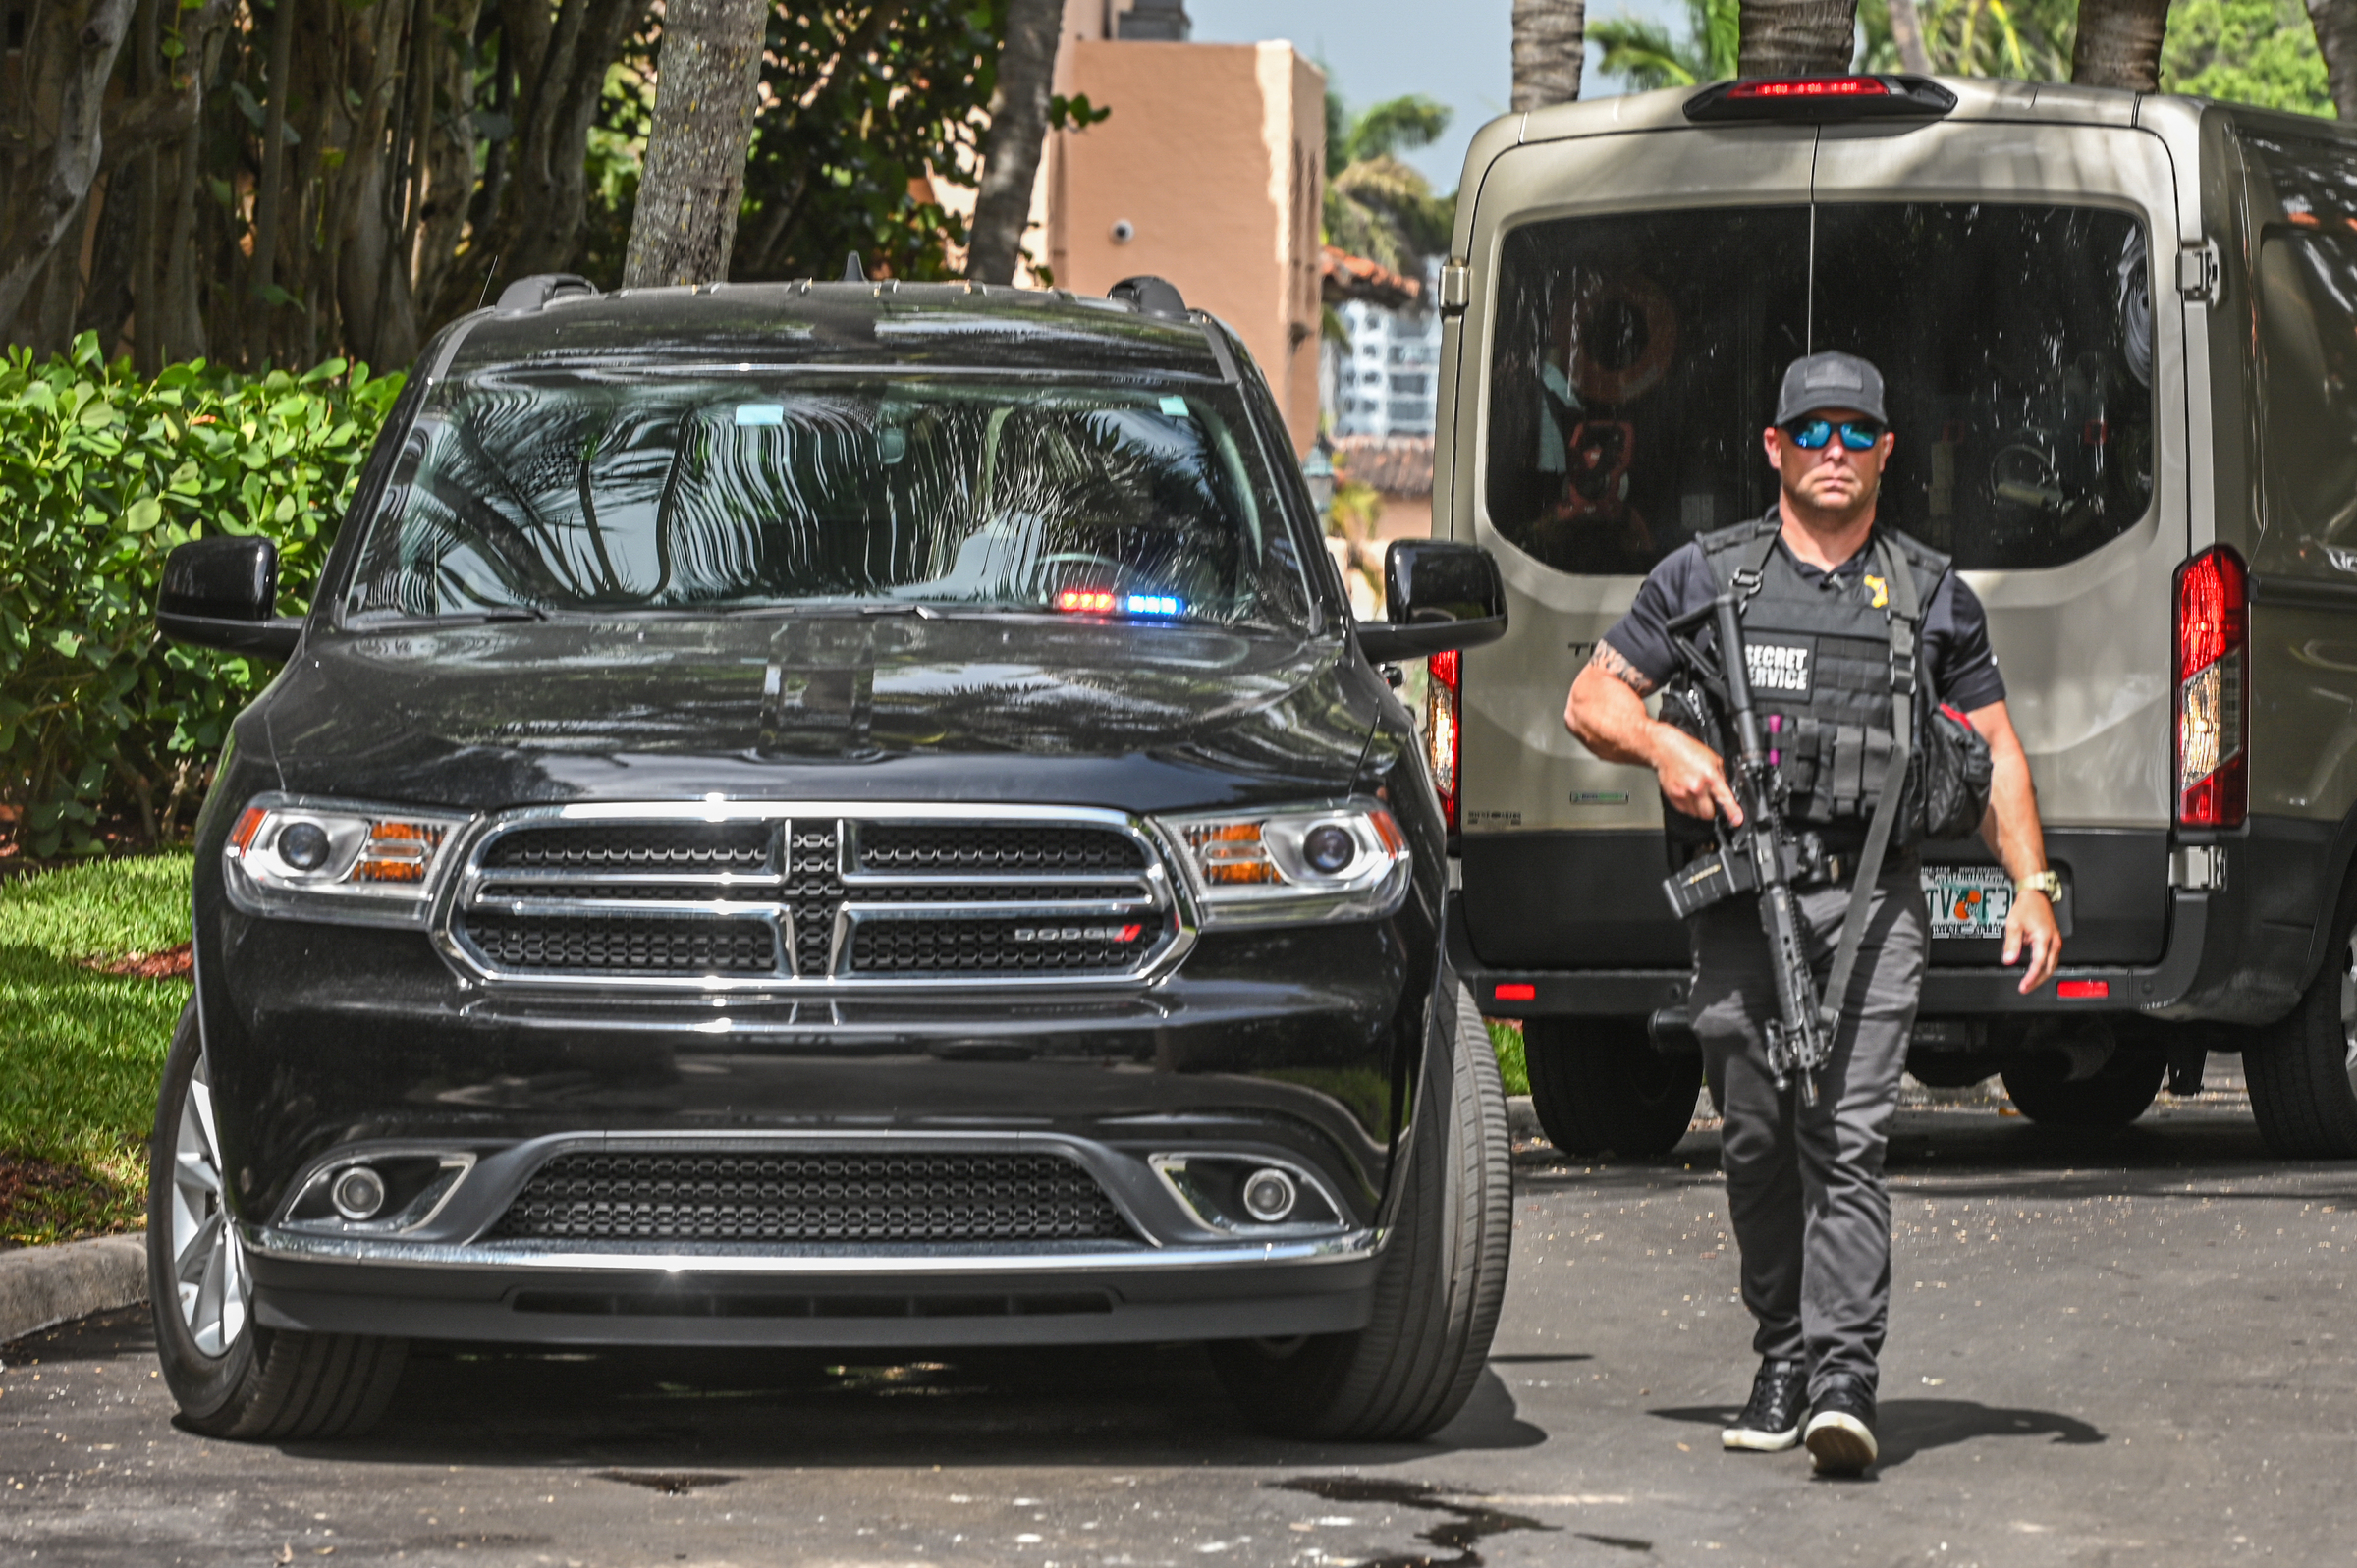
(1638, 355)
(539, 491)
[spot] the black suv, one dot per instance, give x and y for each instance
(844, 813)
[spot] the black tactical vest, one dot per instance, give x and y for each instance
(1819, 655)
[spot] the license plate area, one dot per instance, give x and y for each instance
(1970, 903)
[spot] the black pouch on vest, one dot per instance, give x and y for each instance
(1952, 796)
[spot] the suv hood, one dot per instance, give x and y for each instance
(1141, 717)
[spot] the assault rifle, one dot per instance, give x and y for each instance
(1763, 856)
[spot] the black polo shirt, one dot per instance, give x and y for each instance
(1957, 656)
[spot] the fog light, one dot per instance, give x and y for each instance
(357, 1193)
(1270, 1195)
(303, 846)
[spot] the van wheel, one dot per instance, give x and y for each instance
(1440, 1286)
(2117, 1094)
(2302, 1072)
(1600, 1086)
(232, 1376)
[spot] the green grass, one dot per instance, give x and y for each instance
(1507, 1040)
(80, 1052)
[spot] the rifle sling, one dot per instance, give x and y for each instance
(1904, 617)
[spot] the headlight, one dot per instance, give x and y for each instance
(337, 860)
(1294, 866)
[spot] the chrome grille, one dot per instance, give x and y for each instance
(738, 897)
(849, 1198)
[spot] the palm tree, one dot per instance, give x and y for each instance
(1376, 205)
(1643, 54)
(2119, 44)
(1796, 37)
(1549, 47)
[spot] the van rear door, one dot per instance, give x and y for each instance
(1644, 294)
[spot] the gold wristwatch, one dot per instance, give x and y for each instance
(2045, 882)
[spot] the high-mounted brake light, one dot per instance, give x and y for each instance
(1821, 99)
(2212, 671)
(1443, 745)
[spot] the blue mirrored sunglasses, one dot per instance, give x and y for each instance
(1858, 435)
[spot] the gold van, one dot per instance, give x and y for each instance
(2120, 333)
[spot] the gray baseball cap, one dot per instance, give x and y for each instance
(1829, 380)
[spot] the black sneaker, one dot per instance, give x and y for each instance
(1840, 1434)
(1770, 1423)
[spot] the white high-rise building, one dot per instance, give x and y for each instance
(1383, 384)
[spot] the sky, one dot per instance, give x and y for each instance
(1457, 51)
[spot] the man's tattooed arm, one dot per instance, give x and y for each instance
(1611, 662)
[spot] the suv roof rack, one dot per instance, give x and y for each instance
(530, 293)
(1150, 295)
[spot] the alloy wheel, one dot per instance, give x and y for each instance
(207, 1261)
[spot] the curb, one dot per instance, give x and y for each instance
(42, 1286)
(1522, 1118)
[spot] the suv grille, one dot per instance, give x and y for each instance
(812, 1198)
(780, 902)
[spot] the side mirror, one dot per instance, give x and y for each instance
(219, 592)
(1440, 595)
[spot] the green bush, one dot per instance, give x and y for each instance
(101, 473)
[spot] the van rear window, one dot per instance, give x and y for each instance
(1637, 358)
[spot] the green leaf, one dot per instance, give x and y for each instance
(142, 515)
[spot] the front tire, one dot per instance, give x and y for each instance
(1600, 1086)
(1442, 1281)
(232, 1376)
(2302, 1071)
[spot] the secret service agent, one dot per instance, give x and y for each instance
(1805, 1184)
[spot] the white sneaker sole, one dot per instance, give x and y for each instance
(1745, 1440)
(1840, 1444)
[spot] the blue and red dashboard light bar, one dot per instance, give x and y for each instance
(1819, 99)
(1103, 602)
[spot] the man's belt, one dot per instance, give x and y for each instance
(1725, 873)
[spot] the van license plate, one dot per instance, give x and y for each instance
(1967, 901)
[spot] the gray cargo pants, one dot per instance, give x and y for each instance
(1804, 1186)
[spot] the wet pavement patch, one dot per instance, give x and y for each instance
(670, 1483)
(1470, 1521)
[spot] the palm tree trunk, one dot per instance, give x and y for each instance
(2119, 44)
(2336, 39)
(1906, 30)
(1798, 37)
(1018, 129)
(707, 86)
(1551, 45)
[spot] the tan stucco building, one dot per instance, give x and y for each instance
(1210, 173)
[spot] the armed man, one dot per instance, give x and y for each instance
(1864, 711)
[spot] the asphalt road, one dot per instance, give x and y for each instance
(2123, 1349)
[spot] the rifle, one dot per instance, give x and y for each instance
(1763, 856)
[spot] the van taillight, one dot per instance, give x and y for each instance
(1443, 745)
(2213, 667)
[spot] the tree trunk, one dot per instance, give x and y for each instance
(1551, 43)
(707, 86)
(69, 61)
(1018, 129)
(2119, 44)
(2336, 40)
(270, 194)
(1796, 37)
(1907, 31)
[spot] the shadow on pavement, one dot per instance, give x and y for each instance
(1908, 1426)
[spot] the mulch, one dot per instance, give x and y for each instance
(172, 963)
(33, 1190)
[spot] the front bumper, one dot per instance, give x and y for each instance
(1076, 1294)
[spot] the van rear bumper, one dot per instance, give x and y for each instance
(2177, 979)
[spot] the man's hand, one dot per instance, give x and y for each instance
(1607, 712)
(1693, 778)
(2031, 922)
